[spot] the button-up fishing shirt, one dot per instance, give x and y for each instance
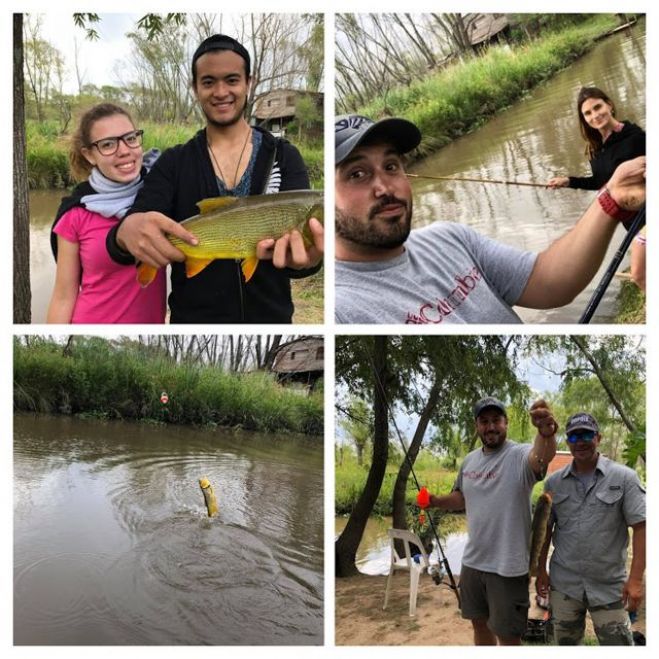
(591, 530)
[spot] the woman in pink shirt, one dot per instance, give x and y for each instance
(89, 286)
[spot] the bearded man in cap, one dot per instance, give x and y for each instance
(447, 272)
(494, 487)
(595, 502)
(227, 157)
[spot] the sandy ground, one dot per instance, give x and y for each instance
(360, 619)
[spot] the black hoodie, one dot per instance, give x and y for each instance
(629, 143)
(183, 176)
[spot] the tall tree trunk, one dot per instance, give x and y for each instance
(400, 487)
(581, 344)
(22, 293)
(348, 542)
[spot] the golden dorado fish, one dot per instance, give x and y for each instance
(231, 227)
(209, 496)
(539, 530)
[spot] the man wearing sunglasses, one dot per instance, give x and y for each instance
(595, 501)
(228, 157)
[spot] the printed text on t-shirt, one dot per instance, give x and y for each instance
(435, 312)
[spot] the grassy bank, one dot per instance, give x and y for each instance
(47, 152)
(100, 380)
(458, 99)
(631, 304)
(308, 297)
(351, 478)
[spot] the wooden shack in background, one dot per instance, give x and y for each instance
(301, 360)
(276, 109)
(485, 29)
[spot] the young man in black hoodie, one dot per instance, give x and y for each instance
(227, 157)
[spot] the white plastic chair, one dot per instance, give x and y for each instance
(406, 564)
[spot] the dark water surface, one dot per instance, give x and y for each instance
(112, 543)
(534, 140)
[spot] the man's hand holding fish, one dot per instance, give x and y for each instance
(291, 251)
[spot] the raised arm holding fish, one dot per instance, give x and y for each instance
(494, 486)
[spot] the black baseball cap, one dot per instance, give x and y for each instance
(350, 130)
(221, 42)
(484, 403)
(581, 421)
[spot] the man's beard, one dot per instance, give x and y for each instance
(384, 235)
(493, 441)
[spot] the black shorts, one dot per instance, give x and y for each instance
(502, 601)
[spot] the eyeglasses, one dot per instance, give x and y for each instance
(575, 437)
(109, 145)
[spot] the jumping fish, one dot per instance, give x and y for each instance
(539, 530)
(209, 496)
(231, 227)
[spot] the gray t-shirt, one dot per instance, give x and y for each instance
(448, 273)
(591, 530)
(497, 490)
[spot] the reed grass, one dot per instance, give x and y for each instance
(101, 380)
(458, 99)
(48, 160)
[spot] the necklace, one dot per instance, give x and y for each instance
(240, 158)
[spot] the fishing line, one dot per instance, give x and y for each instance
(442, 557)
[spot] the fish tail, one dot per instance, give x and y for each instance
(146, 274)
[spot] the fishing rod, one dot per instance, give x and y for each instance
(597, 296)
(477, 180)
(443, 560)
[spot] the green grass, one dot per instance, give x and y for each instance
(103, 381)
(351, 477)
(48, 162)
(460, 98)
(631, 304)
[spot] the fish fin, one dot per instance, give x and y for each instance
(213, 203)
(195, 266)
(145, 274)
(248, 267)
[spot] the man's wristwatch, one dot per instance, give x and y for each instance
(611, 208)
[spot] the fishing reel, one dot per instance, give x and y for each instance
(437, 574)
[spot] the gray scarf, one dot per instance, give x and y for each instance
(113, 199)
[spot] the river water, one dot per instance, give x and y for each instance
(374, 552)
(533, 140)
(113, 546)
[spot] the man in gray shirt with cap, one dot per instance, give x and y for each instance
(446, 272)
(494, 486)
(595, 501)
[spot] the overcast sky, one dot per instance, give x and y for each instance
(97, 59)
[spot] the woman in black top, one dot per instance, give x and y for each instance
(609, 142)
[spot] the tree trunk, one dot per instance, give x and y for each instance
(400, 487)
(348, 542)
(22, 293)
(604, 382)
